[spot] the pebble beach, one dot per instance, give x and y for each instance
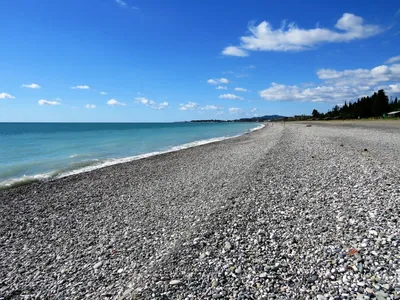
(291, 211)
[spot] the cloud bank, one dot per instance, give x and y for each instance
(290, 37)
(339, 86)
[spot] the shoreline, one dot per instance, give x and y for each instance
(289, 211)
(58, 174)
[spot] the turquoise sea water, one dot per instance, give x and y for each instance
(36, 151)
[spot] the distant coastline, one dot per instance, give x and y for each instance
(244, 120)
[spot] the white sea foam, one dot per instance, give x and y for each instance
(25, 179)
(110, 162)
(257, 128)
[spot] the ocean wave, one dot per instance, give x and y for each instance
(94, 164)
(14, 182)
(257, 128)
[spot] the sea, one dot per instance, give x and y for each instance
(41, 151)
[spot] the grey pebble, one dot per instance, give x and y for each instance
(252, 217)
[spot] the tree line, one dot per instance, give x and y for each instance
(377, 105)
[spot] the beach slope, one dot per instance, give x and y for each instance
(289, 210)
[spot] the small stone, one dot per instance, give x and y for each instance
(381, 295)
(263, 275)
(342, 270)
(360, 283)
(227, 246)
(312, 279)
(98, 265)
(344, 279)
(369, 291)
(175, 282)
(238, 270)
(373, 232)
(321, 297)
(120, 271)
(214, 283)
(360, 267)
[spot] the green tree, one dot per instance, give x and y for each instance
(315, 113)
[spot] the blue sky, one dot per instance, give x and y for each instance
(147, 60)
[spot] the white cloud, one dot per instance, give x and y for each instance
(292, 38)
(90, 106)
(195, 106)
(218, 81)
(6, 96)
(46, 102)
(142, 100)
(230, 96)
(338, 86)
(80, 87)
(188, 106)
(151, 103)
(393, 60)
(393, 88)
(234, 110)
(121, 3)
(220, 87)
(103, 93)
(31, 86)
(114, 102)
(235, 51)
(210, 107)
(361, 77)
(281, 92)
(239, 89)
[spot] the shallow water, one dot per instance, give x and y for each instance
(35, 151)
